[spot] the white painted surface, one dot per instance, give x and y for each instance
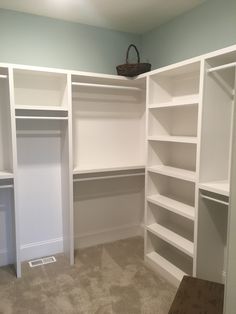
(173, 172)
(107, 210)
(108, 128)
(39, 187)
(172, 205)
(165, 267)
(123, 15)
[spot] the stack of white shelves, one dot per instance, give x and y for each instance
(172, 141)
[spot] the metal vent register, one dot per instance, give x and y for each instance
(42, 261)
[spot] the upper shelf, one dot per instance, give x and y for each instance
(219, 187)
(121, 87)
(175, 102)
(41, 108)
(41, 113)
(111, 169)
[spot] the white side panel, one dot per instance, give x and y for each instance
(230, 292)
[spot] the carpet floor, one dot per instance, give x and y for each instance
(106, 279)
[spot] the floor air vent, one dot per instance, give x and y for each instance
(42, 261)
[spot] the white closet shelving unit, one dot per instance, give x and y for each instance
(173, 106)
(40, 121)
(74, 148)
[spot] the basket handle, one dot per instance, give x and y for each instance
(127, 54)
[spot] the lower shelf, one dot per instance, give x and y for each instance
(172, 238)
(163, 266)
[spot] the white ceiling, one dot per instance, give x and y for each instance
(136, 16)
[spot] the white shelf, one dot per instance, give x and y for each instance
(172, 205)
(182, 101)
(178, 173)
(219, 187)
(177, 139)
(110, 169)
(131, 88)
(222, 67)
(172, 238)
(165, 265)
(40, 118)
(6, 175)
(43, 108)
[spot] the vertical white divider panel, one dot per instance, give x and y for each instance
(198, 152)
(67, 180)
(146, 162)
(230, 287)
(14, 152)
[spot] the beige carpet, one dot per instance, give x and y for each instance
(106, 279)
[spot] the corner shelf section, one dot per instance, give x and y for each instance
(172, 205)
(172, 146)
(172, 238)
(178, 173)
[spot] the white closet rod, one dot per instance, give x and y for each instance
(215, 200)
(222, 67)
(10, 186)
(110, 177)
(107, 86)
(3, 76)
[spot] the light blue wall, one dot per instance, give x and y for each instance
(206, 28)
(33, 40)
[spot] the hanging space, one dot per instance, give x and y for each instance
(215, 163)
(172, 146)
(108, 157)
(43, 182)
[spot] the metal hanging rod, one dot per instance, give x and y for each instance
(215, 200)
(107, 86)
(9, 186)
(110, 177)
(222, 67)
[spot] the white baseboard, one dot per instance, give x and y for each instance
(5, 258)
(55, 246)
(108, 235)
(40, 249)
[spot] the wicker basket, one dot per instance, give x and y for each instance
(132, 69)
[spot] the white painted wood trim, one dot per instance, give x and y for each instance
(14, 152)
(108, 235)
